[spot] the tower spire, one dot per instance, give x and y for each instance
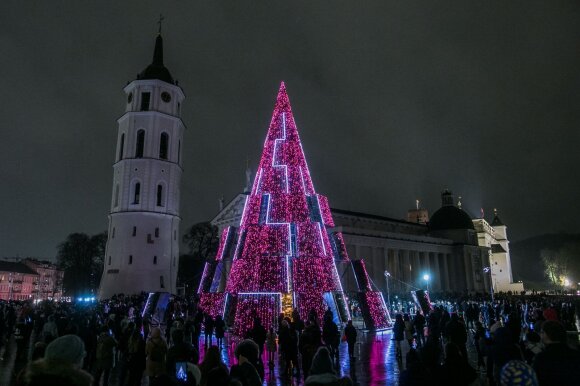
(160, 22)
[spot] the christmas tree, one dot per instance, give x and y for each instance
(284, 256)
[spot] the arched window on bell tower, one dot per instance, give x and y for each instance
(163, 145)
(137, 193)
(160, 195)
(121, 147)
(140, 146)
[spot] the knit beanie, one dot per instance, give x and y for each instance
(518, 373)
(67, 348)
(322, 363)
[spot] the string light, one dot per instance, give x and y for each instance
(284, 256)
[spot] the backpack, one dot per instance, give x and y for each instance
(157, 353)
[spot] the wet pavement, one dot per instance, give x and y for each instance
(375, 362)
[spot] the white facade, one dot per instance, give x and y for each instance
(142, 250)
(494, 237)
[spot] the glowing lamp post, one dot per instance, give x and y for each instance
(426, 277)
(387, 275)
(488, 270)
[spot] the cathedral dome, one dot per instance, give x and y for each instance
(156, 70)
(449, 216)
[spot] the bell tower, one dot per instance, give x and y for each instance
(143, 236)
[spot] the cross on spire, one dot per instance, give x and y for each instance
(160, 22)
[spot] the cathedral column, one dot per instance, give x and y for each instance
(443, 257)
(438, 273)
(469, 272)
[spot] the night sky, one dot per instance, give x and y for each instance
(394, 101)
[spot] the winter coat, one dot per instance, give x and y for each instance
(47, 372)
(271, 342)
(155, 368)
(246, 374)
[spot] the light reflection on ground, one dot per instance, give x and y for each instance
(375, 362)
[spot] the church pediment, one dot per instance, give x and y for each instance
(233, 210)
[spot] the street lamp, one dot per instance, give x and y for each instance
(387, 275)
(426, 277)
(488, 270)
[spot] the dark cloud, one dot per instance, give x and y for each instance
(394, 101)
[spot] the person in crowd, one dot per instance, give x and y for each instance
(322, 371)
(456, 369)
(180, 352)
(558, 364)
(288, 339)
(271, 346)
(456, 333)
(532, 346)
(330, 335)
(220, 330)
(309, 342)
(156, 351)
(245, 371)
(518, 373)
(61, 365)
(211, 360)
(503, 349)
(409, 330)
(479, 337)
(49, 330)
(208, 326)
(419, 326)
(399, 334)
(415, 373)
(350, 335)
(136, 358)
(258, 335)
(105, 358)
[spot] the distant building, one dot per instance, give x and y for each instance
(30, 279)
(454, 250)
(143, 236)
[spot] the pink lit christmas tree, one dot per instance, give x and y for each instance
(283, 254)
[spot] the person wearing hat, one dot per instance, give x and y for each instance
(558, 364)
(322, 371)
(61, 365)
(518, 373)
(245, 371)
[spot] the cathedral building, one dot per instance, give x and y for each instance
(143, 236)
(448, 252)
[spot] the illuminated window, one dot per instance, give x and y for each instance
(163, 145)
(140, 144)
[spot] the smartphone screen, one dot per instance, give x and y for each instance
(181, 371)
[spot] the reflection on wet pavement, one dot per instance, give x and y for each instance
(375, 362)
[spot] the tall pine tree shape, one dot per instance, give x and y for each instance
(283, 254)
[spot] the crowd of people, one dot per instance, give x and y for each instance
(516, 341)
(112, 342)
(460, 341)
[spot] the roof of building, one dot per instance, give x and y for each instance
(372, 216)
(156, 70)
(497, 248)
(449, 216)
(16, 267)
(496, 221)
